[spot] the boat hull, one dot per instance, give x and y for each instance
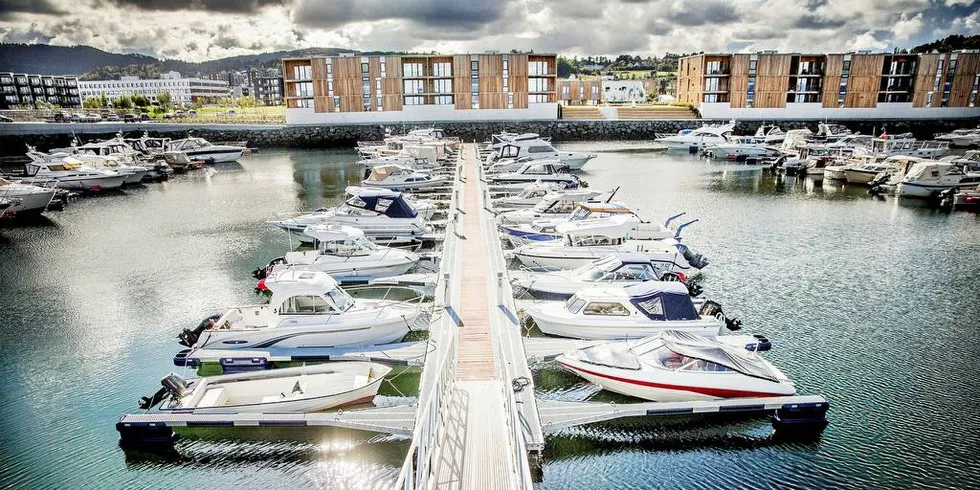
(859, 177)
(926, 189)
(216, 156)
(88, 184)
(27, 203)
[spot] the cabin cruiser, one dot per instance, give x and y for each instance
(836, 170)
(739, 147)
(628, 312)
(307, 309)
(614, 270)
(700, 137)
(534, 148)
(545, 229)
(425, 208)
(115, 148)
(963, 200)
(134, 173)
(401, 178)
(928, 177)
(827, 132)
(346, 254)
(794, 139)
(24, 199)
(201, 149)
(891, 146)
(71, 174)
(677, 366)
(970, 160)
(584, 242)
(536, 171)
(862, 169)
(506, 190)
(147, 146)
(533, 194)
(515, 164)
(769, 134)
(961, 137)
(301, 389)
(553, 205)
(384, 216)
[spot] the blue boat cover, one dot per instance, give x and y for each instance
(661, 301)
(383, 201)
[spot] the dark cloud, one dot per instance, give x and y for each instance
(9, 8)
(760, 33)
(441, 13)
(224, 6)
(814, 4)
(29, 35)
(813, 21)
(706, 12)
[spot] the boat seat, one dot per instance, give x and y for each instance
(211, 397)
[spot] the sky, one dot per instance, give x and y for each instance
(198, 30)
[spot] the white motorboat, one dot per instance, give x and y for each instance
(24, 199)
(963, 200)
(770, 134)
(862, 169)
(961, 137)
(201, 149)
(401, 178)
(546, 229)
(147, 146)
(302, 389)
(677, 366)
(582, 243)
(535, 193)
(535, 148)
(794, 139)
(629, 312)
(890, 146)
(740, 147)
(829, 132)
(134, 173)
(535, 172)
(514, 164)
(614, 270)
(929, 177)
(115, 148)
(73, 175)
(384, 216)
(503, 190)
(836, 170)
(698, 138)
(552, 205)
(346, 254)
(307, 309)
(425, 208)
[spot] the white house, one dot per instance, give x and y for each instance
(183, 91)
(619, 91)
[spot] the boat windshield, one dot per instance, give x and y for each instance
(579, 214)
(672, 360)
(594, 271)
(339, 299)
(574, 304)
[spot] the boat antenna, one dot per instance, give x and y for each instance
(612, 194)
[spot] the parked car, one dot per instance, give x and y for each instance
(93, 118)
(144, 116)
(231, 112)
(112, 117)
(192, 113)
(180, 114)
(77, 117)
(61, 117)
(168, 115)
(5, 118)
(129, 118)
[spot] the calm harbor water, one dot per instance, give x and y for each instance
(870, 303)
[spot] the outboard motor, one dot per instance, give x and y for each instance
(175, 385)
(263, 272)
(189, 337)
(696, 260)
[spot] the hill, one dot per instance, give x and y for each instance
(949, 43)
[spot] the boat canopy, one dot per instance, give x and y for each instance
(662, 301)
(381, 172)
(333, 233)
(730, 356)
(389, 203)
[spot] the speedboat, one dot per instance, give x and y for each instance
(201, 149)
(961, 137)
(546, 229)
(862, 169)
(345, 254)
(24, 199)
(115, 148)
(536, 171)
(740, 147)
(892, 146)
(629, 312)
(425, 208)
(535, 193)
(829, 132)
(677, 366)
(302, 389)
(383, 215)
(769, 134)
(134, 173)
(517, 188)
(836, 170)
(535, 148)
(582, 243)
(968, 199)
(614, 270)
(700, 137)
(928, 177)
(401, 178)
(73, 175)
(552, 205)
(147, 146)
(307, 309)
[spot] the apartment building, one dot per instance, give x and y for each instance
(267, 90)
(580, 92)
(183, 91)
(22, 90)
(771, 85)
(368, 89)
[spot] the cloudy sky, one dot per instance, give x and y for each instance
(196, 30)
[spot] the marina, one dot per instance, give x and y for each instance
(479, 395)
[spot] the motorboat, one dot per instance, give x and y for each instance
(891, 146)
(147, 146)
(961, 137)
(962, 200)
(836, 170)
(24, 199)
(402, 178)
(201, 149)
(301, 389)
(614, 270)
(384, 216)
(534, 172)
(928, 177)
(346, 254)
(894, 169)
(584, 242)
(425, 208)
(71, 174)
(134, 173)
(769, 134)
(552, 205)
(794, 139)
(307, 309)
(675, 366)
(115, 148)
(628, 312)
(533, 147)
(504, 190)
(701, 137)
(514, 164)
(545, 229)
(862, 169)
(740, 147)
(535, 193)
(829, 132)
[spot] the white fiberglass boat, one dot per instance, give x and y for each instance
(961, 137)
(134, 173)
(307, 309)
(383, 215)
(677, 366)
(614, 270)
(534, 172)
(425, 208)
(346, 254)
(629, 312)
(891, 146)
(73, 175)
(533, 195)
(24, 199)
(740, 147)
(535, 148)
(401, 178)
(551, 205)
(201, 149)
(526, 226)
(302, 389)
(929, 177)
(770, 134)
(700, 137)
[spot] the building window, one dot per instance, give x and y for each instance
(475, 85)
(380, 104)
(506, 85)
(537, 68)
(443, 100)
(537, 98)
(442, 69)
(510, 100)
(595, 90)
(414, 100)
(564, 89)
(442, 86)
(304, 103)
(414, 87)
(364, 68)
(329, 69)
(367, 103)
(475, 100)
(336, 104)
(537, 84)
(365, 87)
(377, 85)
(330, 88)
(304, 89)
(383, 67)
(412, 70)
(303, 72)
(475, 66)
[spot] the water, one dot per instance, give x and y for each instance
(870, 303)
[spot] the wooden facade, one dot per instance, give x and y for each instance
(967, 68)
(580, 92)
(833, 69)
(358, 84)
(738, 80)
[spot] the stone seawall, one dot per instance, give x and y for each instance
(15, 136)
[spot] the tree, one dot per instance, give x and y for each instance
(123, 102)
(95, 102)
(140, 100)
(44, 105)
(564, 67)
(164, 99)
